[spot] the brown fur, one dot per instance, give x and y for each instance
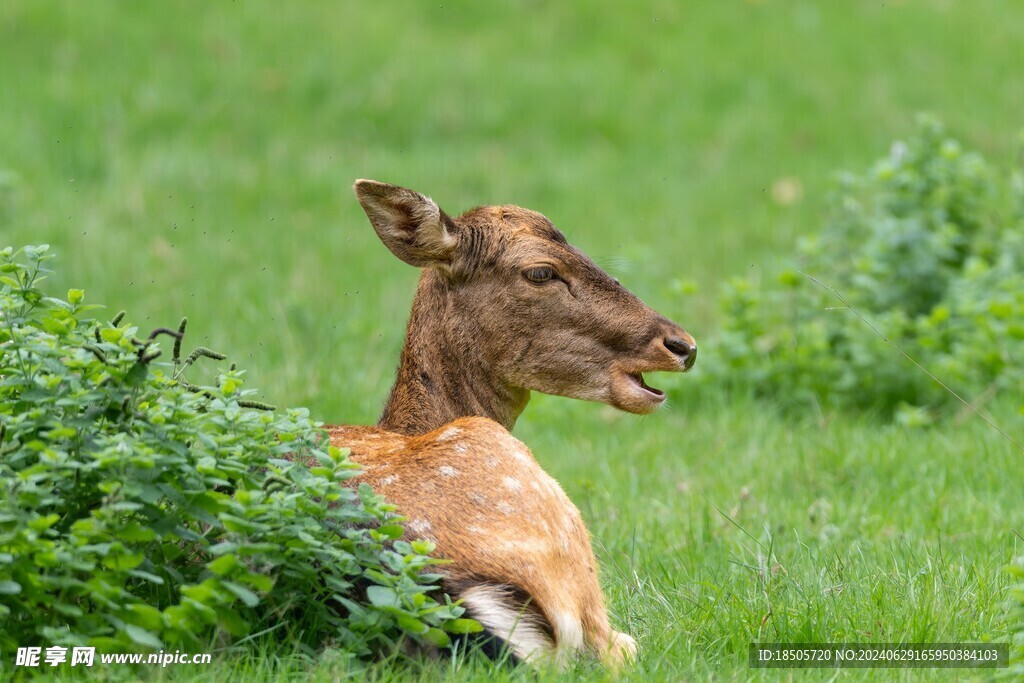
(481, 336)
(477, 492)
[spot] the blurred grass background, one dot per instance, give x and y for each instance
(195, 159)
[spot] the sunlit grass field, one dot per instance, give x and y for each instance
(196, 159)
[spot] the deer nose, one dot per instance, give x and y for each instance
(685, 351)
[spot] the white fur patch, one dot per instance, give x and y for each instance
(494, 607)
(390, 479)
(448, 471)
(512, 484)
(504, 508)
(418, 526)
(460, 448)
(449, 433)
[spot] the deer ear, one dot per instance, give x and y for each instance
(412, 226)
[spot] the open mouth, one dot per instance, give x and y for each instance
(638, 379)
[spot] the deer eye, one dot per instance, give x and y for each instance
(539, 275)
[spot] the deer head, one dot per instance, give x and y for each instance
(505, 306)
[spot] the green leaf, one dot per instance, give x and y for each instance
(146, 576)
(412, 624)
(73, 611)
(136, 375)
(260, 582)
(422, 547)
(145, 616)
(136, 532)
(239, 525)
(122, 561)
(232, 622)
(41, 523)
(391, 530)
(111, 335)
(382, 596)
(9, 587)
(143, 637)
(436, 636)
(54, 326)
(201, 593)
(463, 626)
(223, 565)
(244, 594)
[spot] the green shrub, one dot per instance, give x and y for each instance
(138, 511)
(928, 247)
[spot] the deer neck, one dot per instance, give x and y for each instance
(442, 374)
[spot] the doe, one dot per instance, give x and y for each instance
(504, 306)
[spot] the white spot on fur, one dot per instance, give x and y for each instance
(535, 485)
(449, 433)
(478, 498)
(474, 529)
(520, 455)
(500, 614)
(492, 462)
(448, 471)
(504, 508)
(390, 479)
(460, 448)
(418, 526)
(512, 484)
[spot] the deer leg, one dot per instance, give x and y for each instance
(573, 605)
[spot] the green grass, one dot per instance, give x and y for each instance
(195, 159)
